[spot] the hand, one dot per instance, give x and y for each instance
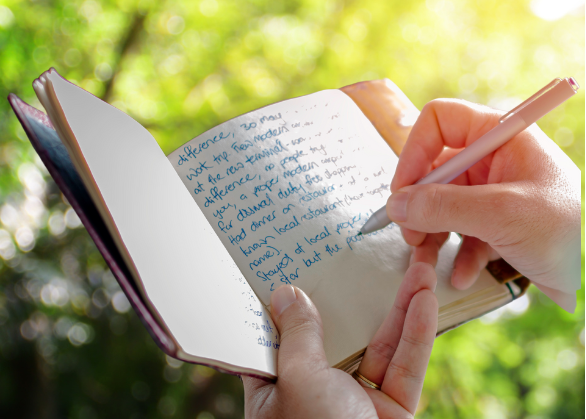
(396, 359)
(521, 203)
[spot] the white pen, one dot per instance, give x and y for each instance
(511, 124)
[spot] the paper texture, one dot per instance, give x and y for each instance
(287, 189)
(187, 273)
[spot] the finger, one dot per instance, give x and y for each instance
(301, 334)
(445, 155)
(415, 238)
(428, 251)
(482, 211)
(404, 378)
(493, 254)
(386, 407)
(252, 384)
(474, 172)
(380, 350)
(442, 122)
(256, 393)
(470, 260)
(412, 237)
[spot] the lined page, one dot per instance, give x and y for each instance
(287, 188)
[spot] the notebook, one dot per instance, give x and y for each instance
(200, 238)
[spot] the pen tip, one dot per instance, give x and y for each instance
(359, 233)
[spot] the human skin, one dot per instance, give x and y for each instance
(396, 359)
(521, 203)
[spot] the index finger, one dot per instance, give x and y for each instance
(442, 123)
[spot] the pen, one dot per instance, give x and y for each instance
(511, 124)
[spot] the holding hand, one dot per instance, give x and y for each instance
(521, 203)
(395, 360)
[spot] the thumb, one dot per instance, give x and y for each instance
(300, 327)
(480, 211)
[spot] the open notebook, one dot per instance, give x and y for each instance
(199, 239)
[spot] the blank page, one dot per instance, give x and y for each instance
(186, 272)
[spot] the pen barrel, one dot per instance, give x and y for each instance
(476, 151)
(547, 102)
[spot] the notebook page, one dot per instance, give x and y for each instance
(287, 188)
(187, 274)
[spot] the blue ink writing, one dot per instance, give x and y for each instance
(348, 224)
(220, 194)
(219, 212)
(292, 158)
(332, 250)
(262, 242)
(244, 213)
(270, 118)
(287, 227)
(278, 270)
(316, 258)
(198, 171)
(316, 194)
(301, 168)
(291, 189)
(341, 171)
(267, 152)
(191, 153)
(238, 238)
(311, 214)
(267, 255)
(255, 225)
(224, 227)
(266, 186)
(199, 188)
(320, 236)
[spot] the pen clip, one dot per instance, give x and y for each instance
(548, 87)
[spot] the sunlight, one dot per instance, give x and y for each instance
(555, 9)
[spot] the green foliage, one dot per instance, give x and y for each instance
(69, 347)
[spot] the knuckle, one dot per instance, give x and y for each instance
(428, 107)
(382, 349)
(432, 207)
(429, 110)
(403, 371)
(299, 326)
(432, 105)
(419, 343)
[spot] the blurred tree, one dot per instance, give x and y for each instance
(69, 347)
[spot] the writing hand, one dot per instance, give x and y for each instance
(396, 359)
(521, 203)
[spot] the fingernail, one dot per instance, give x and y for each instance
(412, 258)
(398, 206)
(282, 298)
(457, 281)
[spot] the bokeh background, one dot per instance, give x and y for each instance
(69, 345)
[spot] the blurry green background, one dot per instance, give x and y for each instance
(69, 345)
